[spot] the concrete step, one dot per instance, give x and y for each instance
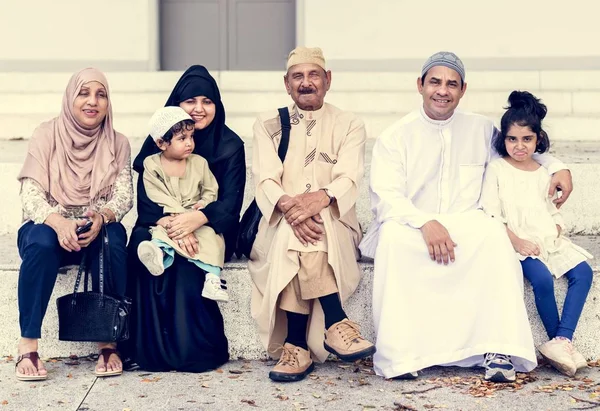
(580, 212)
(240, 327)
(135, 82)
(252, 102)
(10, 260)
(567, 127)
(27, 99)
(572, 152)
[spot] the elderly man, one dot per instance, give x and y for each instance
(448, 289)
(303, 262)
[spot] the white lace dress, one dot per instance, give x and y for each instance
(519, 198)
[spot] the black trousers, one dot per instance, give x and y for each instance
(42, 256)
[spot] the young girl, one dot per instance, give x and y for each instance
(181, 182)
(515, 191)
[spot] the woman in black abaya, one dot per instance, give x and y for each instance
(173, 327)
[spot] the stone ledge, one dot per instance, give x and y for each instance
(580, 212)
(561, 127)
(240, 327)
(364, 103)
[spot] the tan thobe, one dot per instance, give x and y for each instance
(326, 150)
(177, 195)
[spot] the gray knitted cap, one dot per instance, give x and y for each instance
(447, 59)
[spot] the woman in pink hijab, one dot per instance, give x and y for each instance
(77, 170)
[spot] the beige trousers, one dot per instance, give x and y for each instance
(315, 279)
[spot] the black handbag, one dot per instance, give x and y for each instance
(89, 315)
(252, 215)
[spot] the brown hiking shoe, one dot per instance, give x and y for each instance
(294, 364)
(344, 340)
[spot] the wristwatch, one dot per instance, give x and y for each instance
(330, 195)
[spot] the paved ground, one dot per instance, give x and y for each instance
(333, 386)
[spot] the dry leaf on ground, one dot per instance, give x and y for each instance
(252, 403)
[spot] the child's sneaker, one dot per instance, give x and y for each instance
(152, 257)
(558, 352)
(579, 359)
(213, 290)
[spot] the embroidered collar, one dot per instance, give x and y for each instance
(310, 115)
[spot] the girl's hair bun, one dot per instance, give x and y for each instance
(524, 100)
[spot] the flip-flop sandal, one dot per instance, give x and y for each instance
(106, 353)
(34, 358)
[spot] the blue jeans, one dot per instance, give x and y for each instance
(542, 281)
(42, 256)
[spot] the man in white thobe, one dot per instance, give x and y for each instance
(447, 288)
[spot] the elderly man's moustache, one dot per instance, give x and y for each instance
(306, 91)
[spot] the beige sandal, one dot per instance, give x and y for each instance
(34, 357)
(106, 353)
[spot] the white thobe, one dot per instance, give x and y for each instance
(425, 313)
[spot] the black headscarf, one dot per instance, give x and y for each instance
(215, 142)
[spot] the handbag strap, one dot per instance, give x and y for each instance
(82, 269)
(104, 240)
(105, 265)
(284, 117)
(87, 273)
(84, 266)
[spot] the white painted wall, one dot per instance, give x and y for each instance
(58, 30)
(378, 30)
(415, 29)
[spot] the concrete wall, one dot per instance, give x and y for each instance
(65, 35)
(123, 35)
(400, 34)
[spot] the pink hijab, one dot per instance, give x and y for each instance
(75, 165)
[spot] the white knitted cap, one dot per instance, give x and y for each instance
(164, 118)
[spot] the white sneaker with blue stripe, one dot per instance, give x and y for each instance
(499, 368)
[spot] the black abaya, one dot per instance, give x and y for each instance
(172, 326)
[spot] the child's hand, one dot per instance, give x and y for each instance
(199, 205)
(525, 248)
(559, 229)
(164, 222)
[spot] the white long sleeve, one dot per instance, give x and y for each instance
(388, 185)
